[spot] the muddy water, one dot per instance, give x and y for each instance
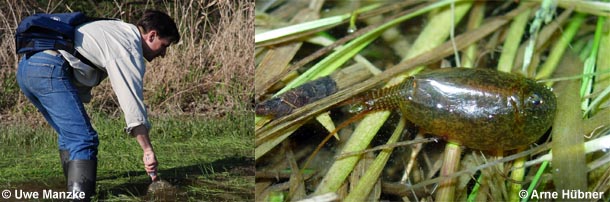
(162, 190)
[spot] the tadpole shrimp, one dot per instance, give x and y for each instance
(477, 108)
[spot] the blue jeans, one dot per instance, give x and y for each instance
(46, 80)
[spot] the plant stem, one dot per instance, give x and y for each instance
(475, 20)
(557, 51)
(367, 182)
(569, 163)
(451, 162)
(517, 176)
(511, 44)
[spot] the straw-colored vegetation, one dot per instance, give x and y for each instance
(198, 96)
(563, 45)
(207, 73)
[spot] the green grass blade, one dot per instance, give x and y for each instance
(559, 48)
(475, 190)
(589, 67)
(299, 28)
(367, 182)
(535, 181)
(590, 7)
(602, 62)
(511, 44)
(331, 63)
(302, 27)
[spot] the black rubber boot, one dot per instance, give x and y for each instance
(64, 155)
(81, 177)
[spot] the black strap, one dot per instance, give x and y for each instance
(85, 60)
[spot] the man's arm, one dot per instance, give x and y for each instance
(150, 161)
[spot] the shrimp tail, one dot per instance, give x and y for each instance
(331, 134)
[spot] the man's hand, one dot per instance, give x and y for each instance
(149, 159)
(150, 164)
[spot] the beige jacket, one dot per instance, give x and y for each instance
(116, 48)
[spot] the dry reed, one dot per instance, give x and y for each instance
(209, 72)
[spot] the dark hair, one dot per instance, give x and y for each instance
(162, 23)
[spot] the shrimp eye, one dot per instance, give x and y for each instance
(535, 99)
(537, 102)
